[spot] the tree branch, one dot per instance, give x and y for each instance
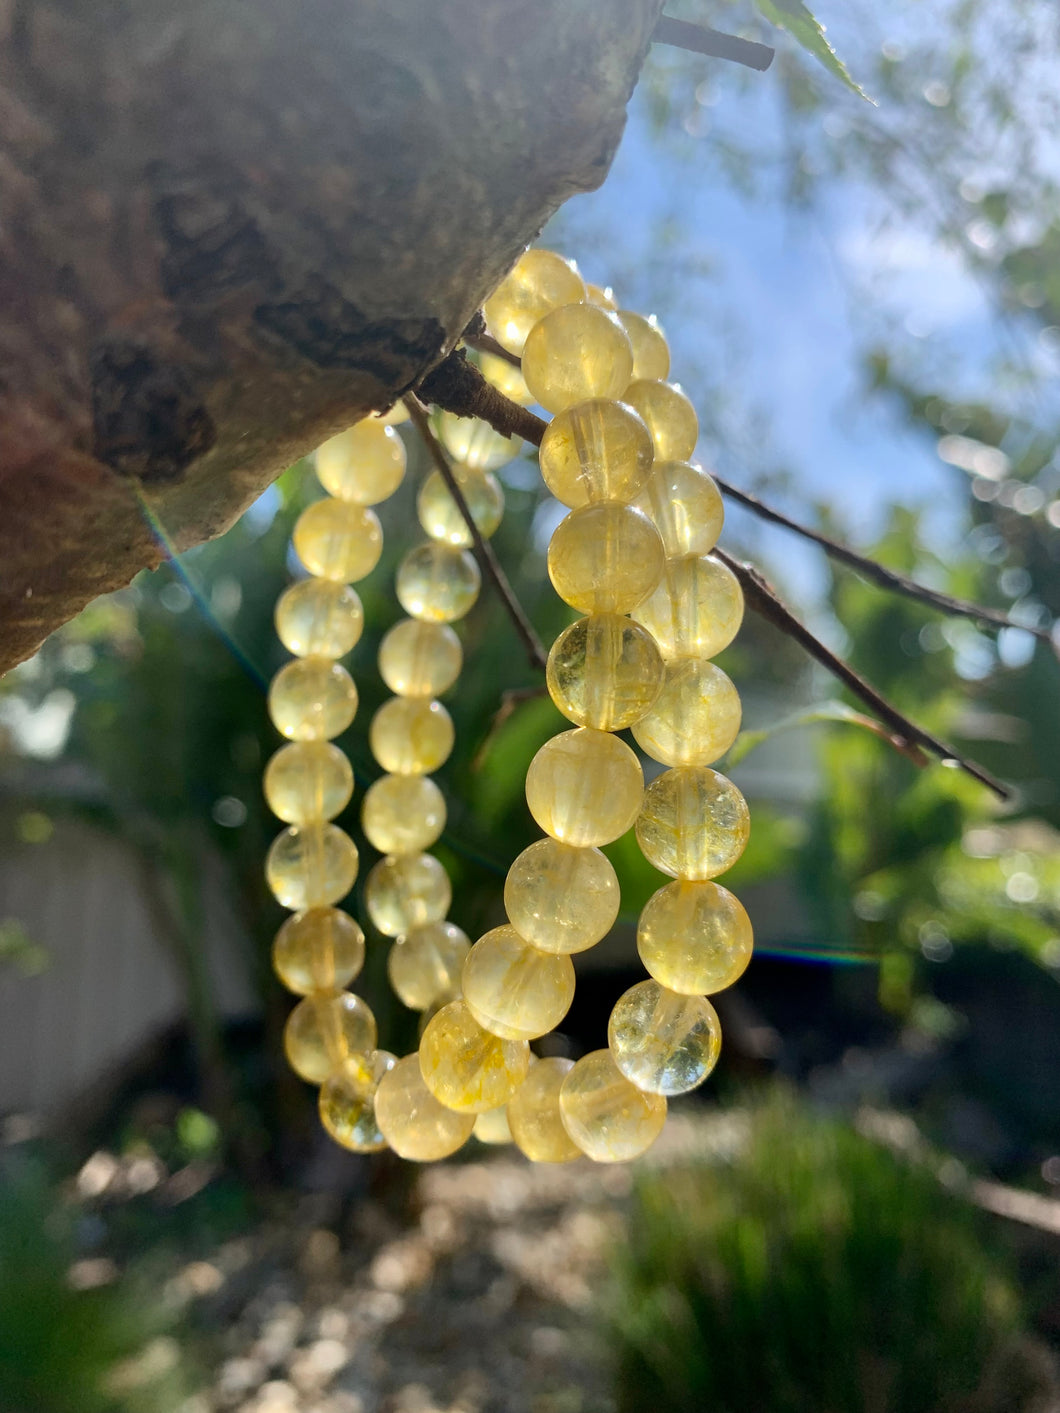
(485, 343)
(701, 39)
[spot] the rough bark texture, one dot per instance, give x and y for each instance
(230, 227)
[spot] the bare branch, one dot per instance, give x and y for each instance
(701, 39)
(457, 386)
(486, 343)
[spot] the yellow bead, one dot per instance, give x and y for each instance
(308, 780)
(696, 718)
(465, 1067)
(604, 296)
(420, 659)
(403, 814)
(664, 1043)
(438, 583)
(574, 353)
(406, 892)
(584, 787)
(411, 736)
(424, 967)
(540, 281)
(505, 377)
(597, 450)
(694, 938)
(364, 464)
(312, 699)
(492, 1126)
(347, 1102)
(651, 356)
(604, 671)
(412, 1121)
(319, 618)
(324, 1031)
(694, 823)
(561, 899)
(512, 989)
(696, 610)
(609, 1119)
(671, 418)
(474, 444)
(685, 507)
(321, 949)
(605, 558)
(336, 540)
(534, 1117)
(311, 866)
(440, 516)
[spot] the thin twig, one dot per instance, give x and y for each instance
(511, 700)
(701, 39)
(486, 343)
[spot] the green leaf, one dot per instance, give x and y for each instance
(821, 711)
(808, 31)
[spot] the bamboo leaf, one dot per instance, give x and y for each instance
(807, 30)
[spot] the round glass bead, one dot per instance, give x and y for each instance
(584, 787)
(540, 281)
(321, 949)
(696, 609)
(324, 1031)
(609, 1119)
(694, 823)
(420, 659)
(308, 780)
(406, 892)
(696, 718)
(474, 444)
(664, 1043)
(651, 355)
(312, 699)
(424, 966)
(512, 989)
(319, 618)
(561, 899)
(604, 296)
(505, 377)
(492, 1127)
(337, 540)
(411, 736)
(694, 938)
(595, 451)
(347, 1102)
(685, 507)
(671, 418)
(311, 865)
(403, 814)
(533, 1114)
(438, 583)
(465, 1067)
(440, 515)
(364, 464)
(604, 671)
(577, 352)
(605, 558)
(411, 1119)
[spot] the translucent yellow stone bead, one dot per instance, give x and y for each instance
(364, 464)
(465, 1067)
(609, 1119)
(685, 507)
(605, 558)
(311, 865)
(336, 540)
(597, 450)
(604, 671)
(324, 1031)
(406, 892)
(540, 281)
(505, 377)
(694, 823)
(671, 418)
(411, 1119)
(308, 780)
(492, 1127)
(651, 354)
(438, 583)
(424, 967)
(474, 444)
(411, 736)
(403, 814)
(347, 1102)
(696, 609)
(576, 352)
(312, 699)
(561, 899)
(512, 989)
(420, 659)
(664, 1043)
(604, 296)
(321, 949)
(694, 938)
(584, 787)
(319, 618)
(696, 718)
(533, 1114)
(440, 516)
